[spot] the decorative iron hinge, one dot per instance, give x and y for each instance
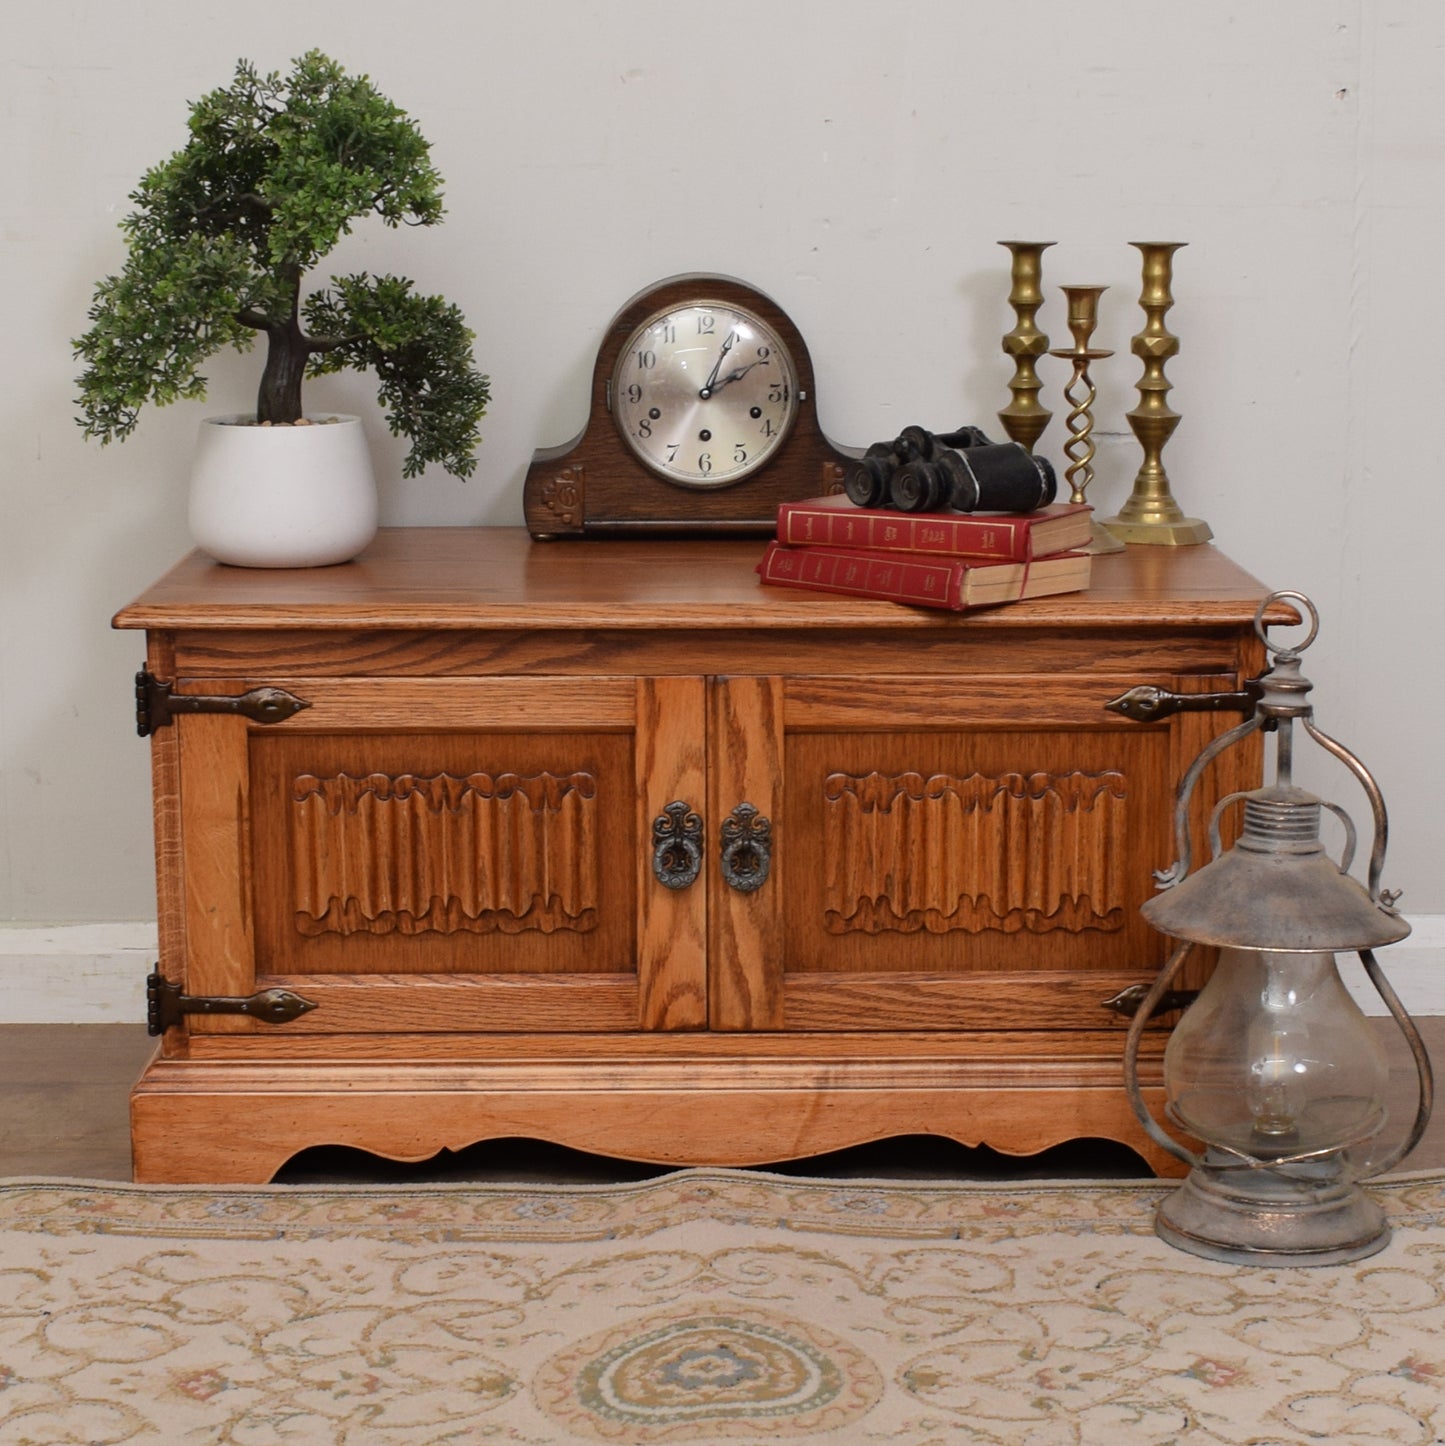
(1127, 1001)
(1148, 704)
(166, 1005)
(157, 703)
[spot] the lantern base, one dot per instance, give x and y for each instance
(1308, 1216)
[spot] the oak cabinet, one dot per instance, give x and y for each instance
(605, 844)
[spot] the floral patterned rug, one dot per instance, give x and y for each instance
(718, 1306)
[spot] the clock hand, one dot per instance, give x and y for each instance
(735, 376)
(708, 385)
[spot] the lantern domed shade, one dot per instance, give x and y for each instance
(1276, 889)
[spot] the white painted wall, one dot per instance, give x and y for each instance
(856, 160)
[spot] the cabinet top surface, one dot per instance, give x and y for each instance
(498, 577)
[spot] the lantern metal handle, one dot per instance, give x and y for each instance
(1134, 1039)
(1183, 844)
(1423, 1070)
(1377, 806)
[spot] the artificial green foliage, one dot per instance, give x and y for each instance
(220, 245)
(420, 349)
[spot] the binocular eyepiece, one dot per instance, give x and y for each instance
(962, 471)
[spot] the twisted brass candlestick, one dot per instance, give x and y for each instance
(1080, 393)
(1151, 514)
(1024, 419)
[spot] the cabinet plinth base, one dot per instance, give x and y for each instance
(237, 1122)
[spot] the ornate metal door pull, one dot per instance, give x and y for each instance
(677, 846)
(747, 849)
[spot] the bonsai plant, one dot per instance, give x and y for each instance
(224, 236)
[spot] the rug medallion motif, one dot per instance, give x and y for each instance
(737, 1373)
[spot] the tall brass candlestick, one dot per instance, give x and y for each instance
(1080, 393)
(1024, 419)
(1151, 514)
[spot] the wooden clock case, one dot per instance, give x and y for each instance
(594, 486)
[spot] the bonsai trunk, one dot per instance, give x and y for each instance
(287, 350)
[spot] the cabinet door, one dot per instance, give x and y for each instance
(946, 853)
(464, 854)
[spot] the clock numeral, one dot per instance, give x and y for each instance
(778, 392)
(767, 429)
(706, 324)
(646, 360)
(764, 352)
(634, 394)
(740, 453)
(704, 463)
(667, 333)
(644, 428)
(672, 451)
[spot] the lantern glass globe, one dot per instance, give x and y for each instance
(1276, 1060)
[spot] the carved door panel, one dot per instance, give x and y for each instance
(946, 853)
(446, 855)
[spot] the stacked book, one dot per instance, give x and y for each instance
(951, 560)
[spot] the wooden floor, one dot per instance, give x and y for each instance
(63, 1112)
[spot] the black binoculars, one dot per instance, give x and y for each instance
(961, 471)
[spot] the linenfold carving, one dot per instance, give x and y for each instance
(410, 854)
(1014, 852)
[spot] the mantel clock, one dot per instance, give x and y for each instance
(703, 418)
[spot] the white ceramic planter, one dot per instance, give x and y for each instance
(282, 496)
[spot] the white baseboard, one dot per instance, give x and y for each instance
(95, 973)
(75, 973)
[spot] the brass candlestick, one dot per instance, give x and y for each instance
(1024, 419)
(1080, 393)
(1151, 514)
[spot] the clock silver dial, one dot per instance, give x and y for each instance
(704, 393)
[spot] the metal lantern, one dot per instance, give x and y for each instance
(1273, 1066)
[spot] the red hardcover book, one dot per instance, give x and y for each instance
(954, 583)
(836, 522)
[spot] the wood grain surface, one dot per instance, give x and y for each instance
(458, 577)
